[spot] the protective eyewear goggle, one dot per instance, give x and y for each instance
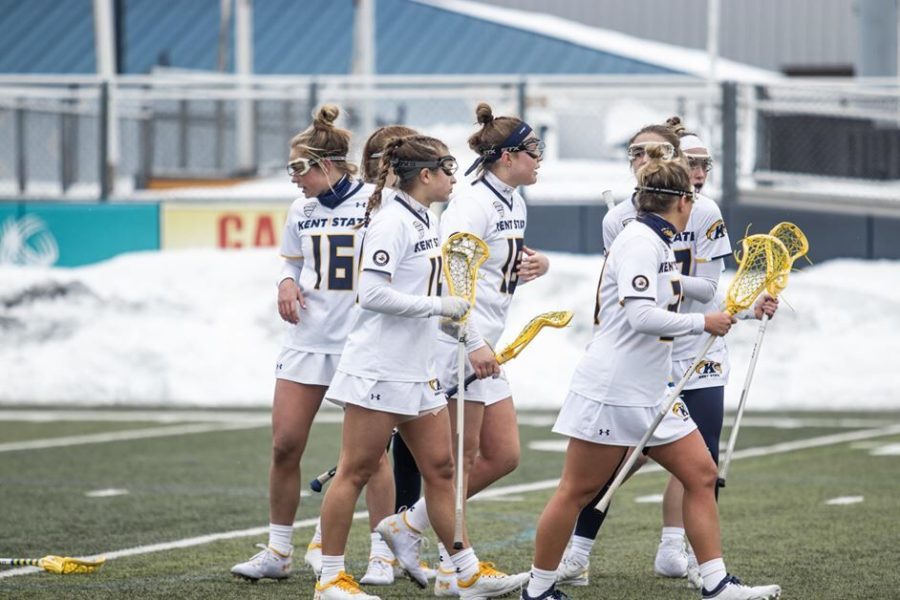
(301, 166)
(533, 148)
(700, 162)
(447, 164)
(639, 150)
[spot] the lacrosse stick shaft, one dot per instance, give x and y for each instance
(460, 430)
(732, 439)
(603, 504)
(20, 562)
(451, 391)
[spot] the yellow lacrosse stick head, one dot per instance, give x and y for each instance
(65, 565)
(559, 318)
(764, 264)
(797, 246)
(463, 253)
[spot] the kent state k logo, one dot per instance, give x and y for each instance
(707, 368)
(717, 231)
(680, 410)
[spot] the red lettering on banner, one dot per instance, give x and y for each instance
(229, 224)
(265, 232)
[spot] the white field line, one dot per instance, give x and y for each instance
(118, 436)
(329, 415)
(826, 440)
(185, 543)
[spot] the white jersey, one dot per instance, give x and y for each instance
(497, 214)
(327, 240)
(622, 366)
(704, 239)
(401, 242)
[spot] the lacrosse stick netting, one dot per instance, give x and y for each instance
(463, 253)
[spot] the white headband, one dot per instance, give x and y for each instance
(693, 142)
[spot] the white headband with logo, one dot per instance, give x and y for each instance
(693, 142)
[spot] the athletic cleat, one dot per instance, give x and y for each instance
(671, 559)
(693, 571)
(551, 594)
(488, 582)
(268, 564)
(429, 572)
(445, 583)
(313, 557)
(379, 572)
(570, 572)
(341, 588)
(731, 588)
(404, 542)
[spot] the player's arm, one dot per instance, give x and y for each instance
(702, 285)
(290, 296)
(376, 293)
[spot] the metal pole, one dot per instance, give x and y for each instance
(712, 51)
(363, 65)
(244, 124)
(19, 135)
(103, 137)
(105, 44)
(729, 149)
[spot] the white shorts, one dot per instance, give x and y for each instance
(487, 391)
(311, 368)
(711, 372)
(612, 425)
(412, 398)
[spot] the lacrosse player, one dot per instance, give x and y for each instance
(699, 253)
(509, 156)
(316, 295)
(386, 376)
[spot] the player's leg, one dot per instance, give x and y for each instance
(574, 569)
(365, 435)
(425, 437)
(293, 409)
(689, 460)
(587, 467)
(407, 479)
(673, 558)
(498, 450)
(380, 503)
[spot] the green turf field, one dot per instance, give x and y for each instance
(196, 483)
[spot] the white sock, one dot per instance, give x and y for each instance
(446, 564)
(580, 549)
(713, 572)
(540, 581)
(280, 538)
(672, 534)
(379, 547)
(331, 568)
(417, 516)
(317, 536)
(466, 564)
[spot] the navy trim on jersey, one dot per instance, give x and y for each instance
(422, 217)
(340, 192)
(508, 203)
(724, 256)
(638, 298)
(661, 227)
(378, 271)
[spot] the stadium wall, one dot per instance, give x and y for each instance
(75, 234)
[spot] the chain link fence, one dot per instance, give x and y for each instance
(838, 139)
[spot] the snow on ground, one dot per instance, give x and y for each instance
(199, 328)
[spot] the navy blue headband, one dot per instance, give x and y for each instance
(513, 140)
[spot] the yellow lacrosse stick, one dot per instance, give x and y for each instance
(797, 246)
(764, 259)
(462, 254)
(63, 565)
(558, 319)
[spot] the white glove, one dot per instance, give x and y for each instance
(453, 307)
